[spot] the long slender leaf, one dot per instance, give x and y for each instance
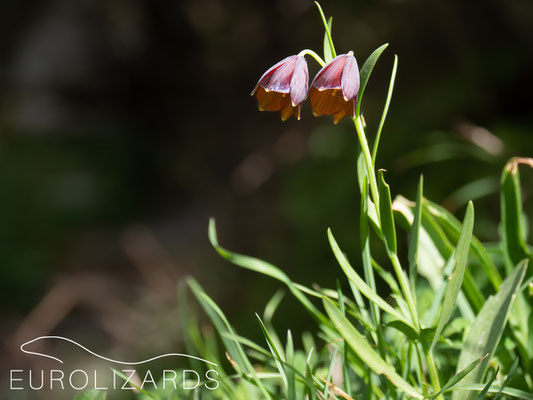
(222, 325)
(459, 376)
(454, 284)
(519, 394)
(387, 218)
(329, 53)
(415, 234)
(483, 393)
(453, 228)
(360, 283)
(488, 327)
(366, 71)
(511, 211)
(365, 352)
(385, 110)
(264, 268)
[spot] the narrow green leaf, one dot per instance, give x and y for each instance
(289, 359)
(329, 53)
(91, 395)
(264, 268)
(273, 305)
(330, 372)
(452, 226)
(387, 218)
(487, 329)
(459, 376)
(454, 283)
(519, 394)
(274, 350)
(331, 47)
(385, 110)
(415, 235)
(508, 378)
(360, 283)
(367, 266)
(511, 211)
(483, 393)
(223, 327)
(366, 71)
(365, 352)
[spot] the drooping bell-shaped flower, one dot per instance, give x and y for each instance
(283, 87)
(335, 87)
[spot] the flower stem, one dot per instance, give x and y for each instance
(368, 162)
(314, 55)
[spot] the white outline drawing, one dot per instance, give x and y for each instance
(102, 357)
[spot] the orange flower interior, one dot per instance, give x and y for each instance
(268, 100)
(331, 102)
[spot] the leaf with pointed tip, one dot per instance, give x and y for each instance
(366, 71)
(459, 376)
(354, 278)
(365, 352)
(454, 283)
(511, 211)
(329, 53)
(264, 268)
(487, 329)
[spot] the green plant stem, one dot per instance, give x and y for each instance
(312, 54)
(433, 374)
(404, 285)
(326, 27)
(420, 369)
(368, 162)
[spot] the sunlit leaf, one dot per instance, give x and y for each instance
(365, 352)
(454, 283)
(487, 329)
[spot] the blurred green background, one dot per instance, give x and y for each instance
(125, 125)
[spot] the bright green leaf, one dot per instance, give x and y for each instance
(454, 283)
(365, 351)
(487, 329)
(366, 71)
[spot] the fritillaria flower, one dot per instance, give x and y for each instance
(283, 87)
(334, 88)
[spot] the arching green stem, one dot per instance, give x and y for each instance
(312, 54)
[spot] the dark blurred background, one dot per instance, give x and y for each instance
(125, 125)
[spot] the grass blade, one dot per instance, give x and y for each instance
(365, 352)
(385, 210)
(360, 283)
(329, 53)
(459, 376)
(331, 47)
(264, 268)
(483, 393)
(488, 327)
(385, 109)
(415, 235)
(366, 71)
(511, 211)
(454, 284)
(223, 327)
